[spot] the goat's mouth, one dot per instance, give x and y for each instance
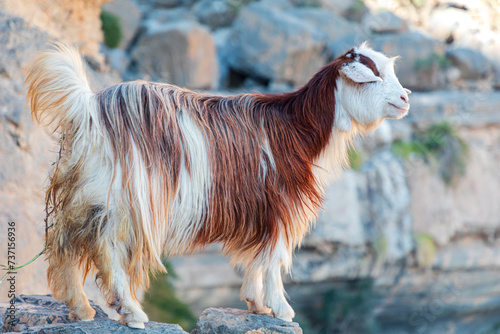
(404, 110)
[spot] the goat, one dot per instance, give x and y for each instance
(151, 168)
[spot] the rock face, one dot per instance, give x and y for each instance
(180, 52)
(272, 45)
(385, 22)
(69, 21)
(472, 64)
(424, 59)
(43, 314)
(233, 321)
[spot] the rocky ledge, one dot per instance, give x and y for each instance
(43, 314)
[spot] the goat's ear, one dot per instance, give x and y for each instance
(358, 72)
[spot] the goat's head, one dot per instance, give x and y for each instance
(368, 89)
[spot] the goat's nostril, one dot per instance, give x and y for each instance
(404, 98)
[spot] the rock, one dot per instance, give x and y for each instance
(340, 221)
(457, 22)
(341, 8)
(332, 26)
(167, 3)
(160, 17)
(423, 60)
(233, 321)
(221, 37)
(44, 314)
(215, 14)
(385, 22)
(118, 59)
(472, 64)
(130, 18)
(69, 21)
(181, 52)
(39, 310)
(467, 208)
(273, 45)
(385, 203)
(369, 206)
(346, 42)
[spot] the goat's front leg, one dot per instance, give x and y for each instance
(274, 292)
(252, 290)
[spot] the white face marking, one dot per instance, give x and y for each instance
(369, 102)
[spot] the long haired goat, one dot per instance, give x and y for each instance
(150, 168)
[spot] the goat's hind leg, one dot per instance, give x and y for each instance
(114, 282)
(65, 282)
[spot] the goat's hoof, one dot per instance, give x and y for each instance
(258, 309)
(87, 314)
(136, 324)
(284, 318)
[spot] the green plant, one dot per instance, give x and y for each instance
(432, 60)
(380, 245)
(308, 3)
(347, 310)
(355, 159)
(440, 145)
(111, 28)
(426, 250)
(161, 302)
(236, 5)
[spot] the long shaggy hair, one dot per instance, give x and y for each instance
(150, 168)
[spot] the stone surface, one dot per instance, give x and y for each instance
(472, 64)
(233, 321)
(43, 314)
(214, 13)
(181, 52)
(130, 18)
(69, 21)
(39, 310)
(385, 22)
(330, 25)
(273, 45)
(422, 59)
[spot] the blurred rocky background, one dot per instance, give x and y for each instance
(409, 238)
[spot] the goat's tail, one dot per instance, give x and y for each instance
(58, 90)
(59, 94)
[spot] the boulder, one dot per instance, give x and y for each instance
(275, 46)
(130, 18)
(472, 64)
(423, 65)
(44, 314)
(70, 21)
(385, 22)
(118, 59)
(330, 25)
(215, 14)
(181, 52)
(233, 321)
(167, 3)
